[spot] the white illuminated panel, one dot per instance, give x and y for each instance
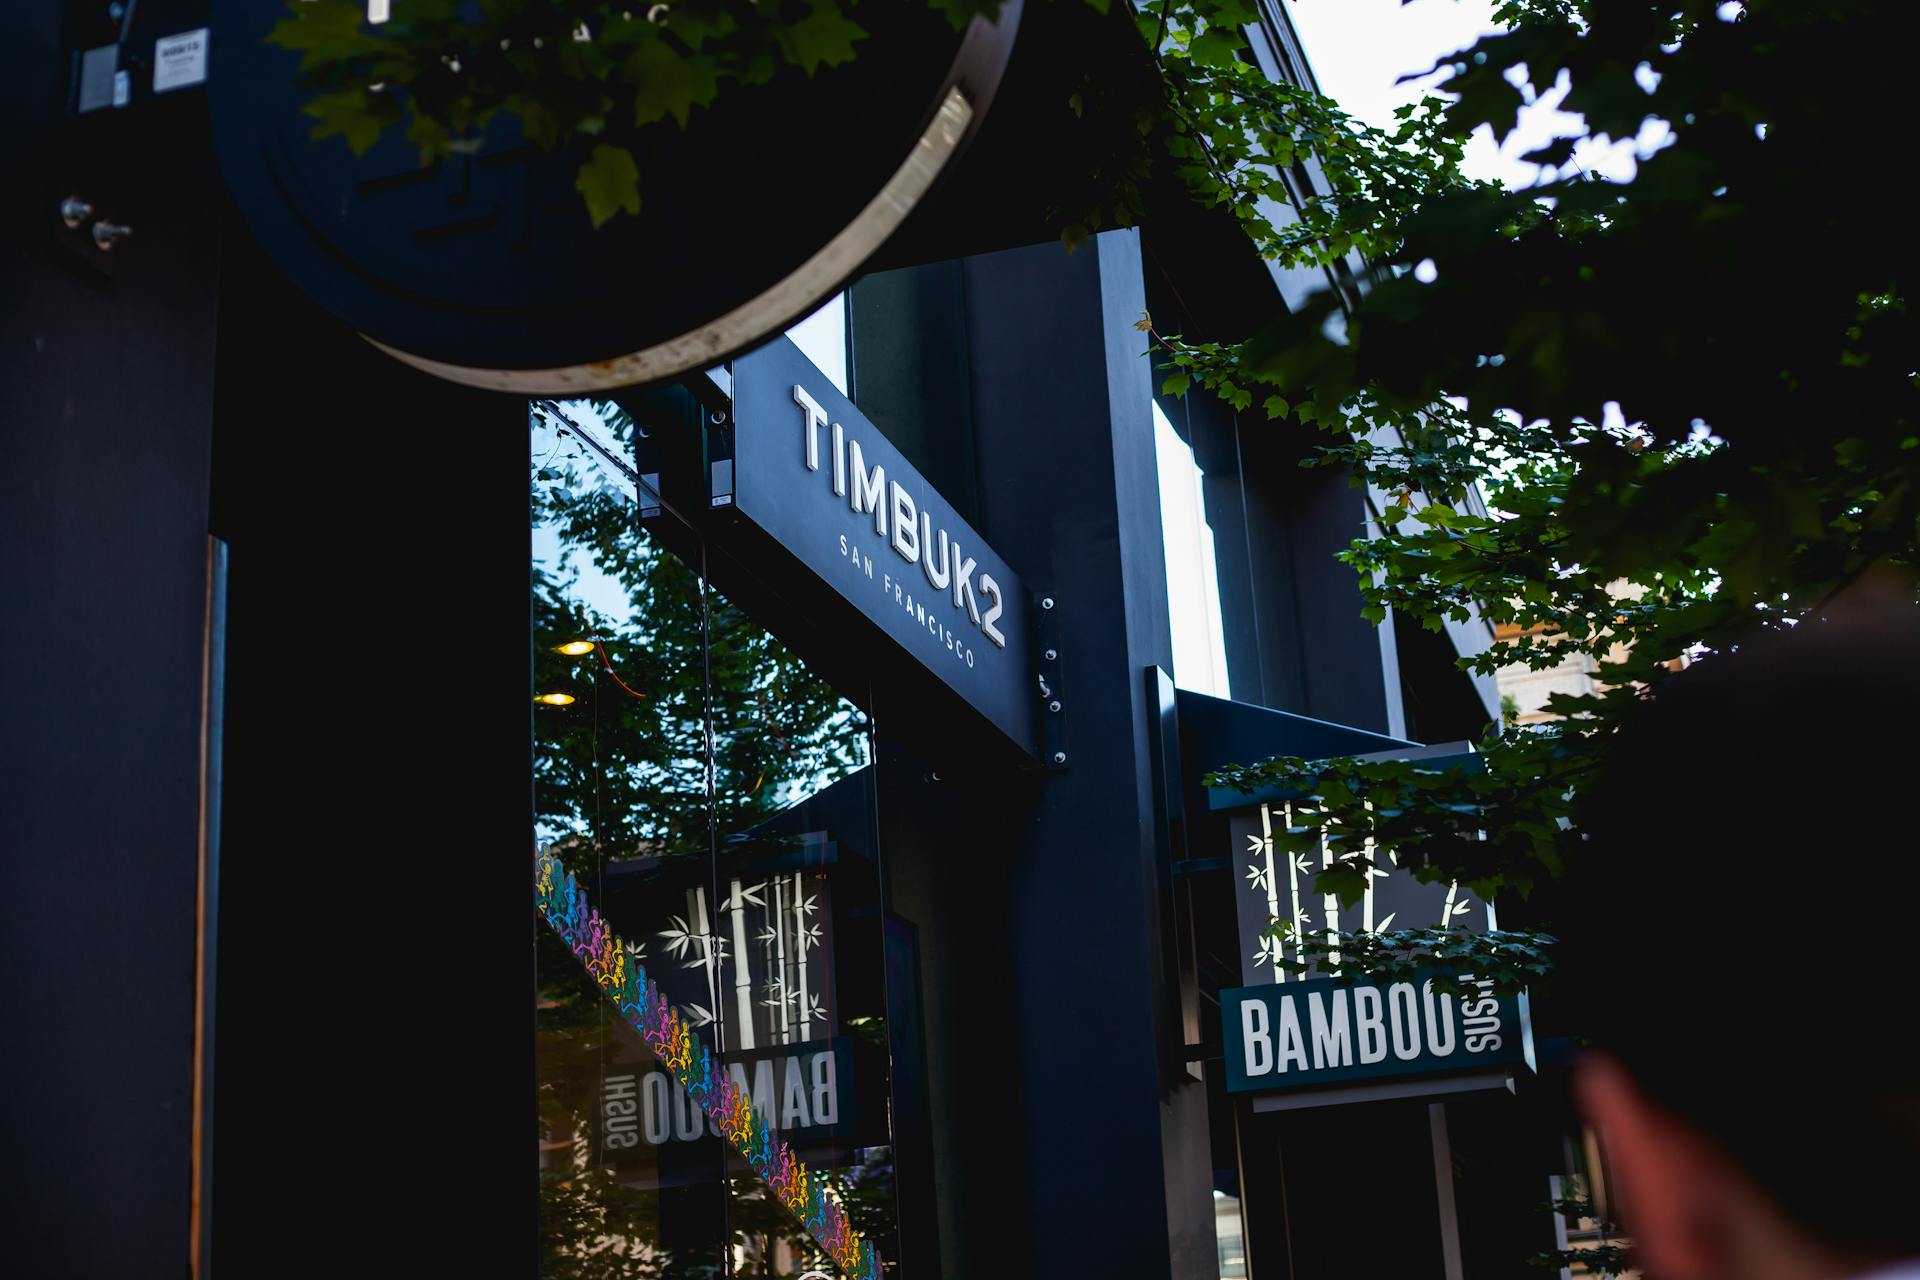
(822, 338)
(1193, 576)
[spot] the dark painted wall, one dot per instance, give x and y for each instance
(105, 420)
(375, 1101)
(1347, 674)
(1356, 1193)
(374, 1075)
(949, 864)
(910, 375)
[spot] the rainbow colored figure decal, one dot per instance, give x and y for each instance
(611, 963)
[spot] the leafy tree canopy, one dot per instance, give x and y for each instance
(688, 714)
(1638, 420)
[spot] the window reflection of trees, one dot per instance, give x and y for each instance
(778, 731)
(684, 711)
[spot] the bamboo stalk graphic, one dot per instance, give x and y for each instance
(800, 945)
(1273, 888)
(1366, 901)
(1293, 885)
(1330, 905)
(742, 978)
(781, 986)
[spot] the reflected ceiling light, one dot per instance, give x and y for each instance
(574, 648)
(555, 699)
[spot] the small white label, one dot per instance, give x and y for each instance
(122, 88)
(378, 11)
(179, 61)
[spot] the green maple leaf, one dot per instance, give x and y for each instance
(824, 37)
(668, 83)
(1215, 47)
(429, 134)
(328, 31)
(350, 114)
(609, 182)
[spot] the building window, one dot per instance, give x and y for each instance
(1230, 1245)
(1193, 577)
(713, 797)
(822, 338)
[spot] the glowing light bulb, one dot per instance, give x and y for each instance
(574, 648)
(555, 699)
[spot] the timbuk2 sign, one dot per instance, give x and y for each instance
(1328, 1031)
(821, 479)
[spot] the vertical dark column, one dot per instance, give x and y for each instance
(1068, 492)
(1355, 1184)
(961, 1133)
(1268, 461)
(1503, 1148)
(375, 1103)
(910, 371)
(1351, 676)
(105, 420)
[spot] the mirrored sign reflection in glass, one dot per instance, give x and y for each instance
(711, 796)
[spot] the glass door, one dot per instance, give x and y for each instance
(710, 798)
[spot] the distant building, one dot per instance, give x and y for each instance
(1524, 690)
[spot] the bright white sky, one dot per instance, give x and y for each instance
(1360, 48)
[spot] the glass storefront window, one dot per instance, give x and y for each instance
(1229, 1238)
(712, 797)
(822, 336)
(1193, 573)
(631, 1183)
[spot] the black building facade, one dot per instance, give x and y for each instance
(288, 722)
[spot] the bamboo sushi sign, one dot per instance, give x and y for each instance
(1327, 1031)
(1287, 1030)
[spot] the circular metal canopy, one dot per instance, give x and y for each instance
(484, 268)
